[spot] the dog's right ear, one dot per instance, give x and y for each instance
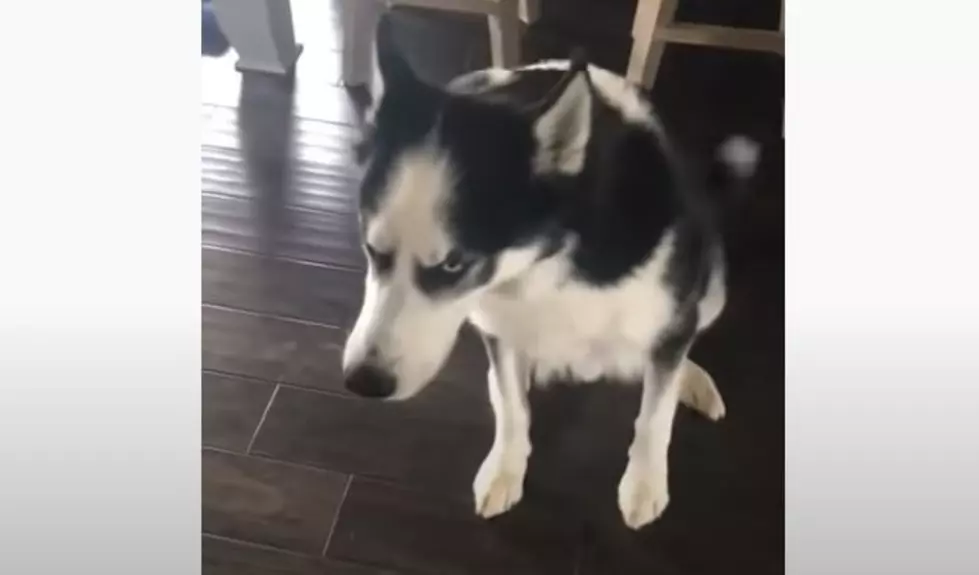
(392, 76)
(392, 72)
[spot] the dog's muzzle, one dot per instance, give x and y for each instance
(366, 380)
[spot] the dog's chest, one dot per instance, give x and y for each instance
(566, 328)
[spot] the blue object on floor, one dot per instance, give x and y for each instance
(213, 41)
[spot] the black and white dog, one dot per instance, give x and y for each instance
(544, 206)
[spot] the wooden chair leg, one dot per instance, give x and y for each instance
(505, 30)
(529, 11)
(359, 20)
(261, 32)
(646, 51)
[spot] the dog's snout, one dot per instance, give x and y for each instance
(367, 380)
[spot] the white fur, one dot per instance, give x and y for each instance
(410, 333)
(741, 155)
(644, 487)
(570, 117)
(699, 392)
(566, 326)
(375, 86)
(499, 483)
(491, 76)
(547, 322)
(410, 217)
(712, 304)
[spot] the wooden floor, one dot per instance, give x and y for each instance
(300, 478)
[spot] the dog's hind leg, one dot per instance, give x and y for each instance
(643, 489)
(499, 483)
(699, 392)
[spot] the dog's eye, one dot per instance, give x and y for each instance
(454, 263)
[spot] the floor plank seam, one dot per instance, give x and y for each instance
(413, 417)
(255, 545)
(286, 259)
(442, 494)
(266, 315)
(217, 106)
(216, 195)
(295, 464)
(272, 460)
(233, 375)
(326, 392)
(265, 413)
(336, 516)
(321, 264)
(221, 450)
(271, 315)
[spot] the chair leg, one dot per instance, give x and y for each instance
(646, 51)
(504, 31)
(529, 11)
(261, 32)
(359, 20)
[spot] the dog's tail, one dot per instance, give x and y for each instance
(735, 162)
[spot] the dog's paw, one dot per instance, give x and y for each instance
(643, 495)
(498, 485)
(699, 392)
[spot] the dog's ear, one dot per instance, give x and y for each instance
(392, 72)
(562, 122)
(393, 79)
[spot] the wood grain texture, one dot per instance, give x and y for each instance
(231, 409)
(401, 528)
(220, 556)
(390, 441)
(269, 502)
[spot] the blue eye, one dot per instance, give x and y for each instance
(453, 263)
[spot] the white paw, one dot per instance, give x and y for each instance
(699, 392)
(643, 495)
(499, 484)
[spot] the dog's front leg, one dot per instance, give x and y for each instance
(644, 489)
(499, 483)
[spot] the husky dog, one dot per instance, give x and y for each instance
(543, 205)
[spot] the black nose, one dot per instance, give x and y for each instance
(369, 381)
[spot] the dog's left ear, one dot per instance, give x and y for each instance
(562, 122)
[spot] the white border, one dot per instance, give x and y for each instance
(882, 375)
(100, 288)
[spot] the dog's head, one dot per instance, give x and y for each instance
(450, 206)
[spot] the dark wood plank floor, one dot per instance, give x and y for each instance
(301, 478)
